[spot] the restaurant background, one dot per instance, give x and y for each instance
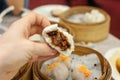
(111, 6)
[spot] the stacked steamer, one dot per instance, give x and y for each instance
(85, 23)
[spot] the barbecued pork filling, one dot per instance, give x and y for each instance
(59, 40)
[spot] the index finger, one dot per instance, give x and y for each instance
(29, 25)
(34, 18)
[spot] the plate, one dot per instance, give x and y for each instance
(112, 56)
(46, 10)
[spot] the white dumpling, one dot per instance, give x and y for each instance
(76, 75)
(57, 71)
(80, 75)
(64, 59)
(61, 72)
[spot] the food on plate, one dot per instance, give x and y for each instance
(94, 16)
(86, 67)
(59, 39)
(118, 64)
(113, 57)
(56, 12)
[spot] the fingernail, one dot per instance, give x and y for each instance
(55, 52)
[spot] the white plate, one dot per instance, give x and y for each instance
(46, 10)
(112, 55)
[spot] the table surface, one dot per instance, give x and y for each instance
(102, 47)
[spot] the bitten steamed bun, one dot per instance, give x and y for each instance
(59, 39)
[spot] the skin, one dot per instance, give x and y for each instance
(18, 4)
(16, 49)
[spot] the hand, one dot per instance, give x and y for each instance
(16, 49)
(18, 4)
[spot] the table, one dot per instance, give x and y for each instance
(110, 42)
(107, 44)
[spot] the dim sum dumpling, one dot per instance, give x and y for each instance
(64, 59)
(59, 39)
(56, 71)
(81, 73)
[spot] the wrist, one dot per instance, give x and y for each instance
(5, 72)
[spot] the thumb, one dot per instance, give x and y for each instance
(42, 50)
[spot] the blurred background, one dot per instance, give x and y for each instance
(110, 6)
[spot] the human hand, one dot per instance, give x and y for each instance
(16, 49)
(18, 4)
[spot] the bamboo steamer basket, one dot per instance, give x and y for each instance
(87, 32)
(31, 71)
(106, 69)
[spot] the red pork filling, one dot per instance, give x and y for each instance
(59, 40)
